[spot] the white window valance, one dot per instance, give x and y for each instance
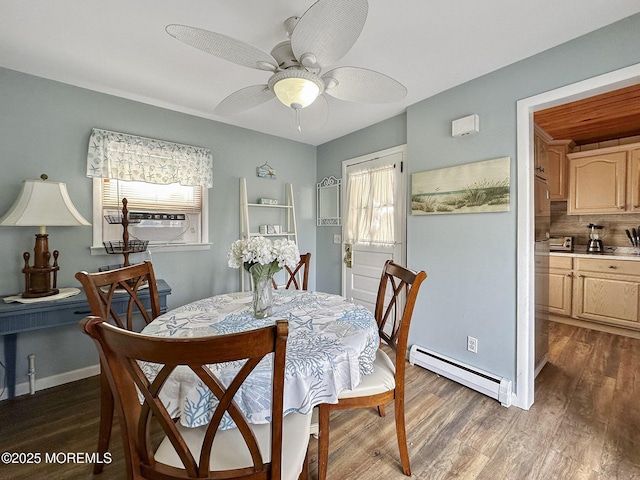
(132, 158)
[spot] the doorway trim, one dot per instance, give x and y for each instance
(525, 353)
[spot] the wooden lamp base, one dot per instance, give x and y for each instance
(38, 276)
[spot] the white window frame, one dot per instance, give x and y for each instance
(97, 247)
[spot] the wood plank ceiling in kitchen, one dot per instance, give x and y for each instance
(608, 116)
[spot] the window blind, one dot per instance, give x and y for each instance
(151, 197)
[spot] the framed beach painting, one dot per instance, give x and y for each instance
(472, 188)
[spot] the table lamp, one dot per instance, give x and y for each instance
(42, 204)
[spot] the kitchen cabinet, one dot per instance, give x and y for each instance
(597, 182)
(607, 291)
(606, 180)
(542, 206)
(596, 292)
(541, 159)
(634, 179)
(560, 285)
(558, 167)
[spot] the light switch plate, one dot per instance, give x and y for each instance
(337, 238)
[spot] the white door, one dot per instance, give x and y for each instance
(364, 255)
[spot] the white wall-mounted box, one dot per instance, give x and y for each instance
(465, 126)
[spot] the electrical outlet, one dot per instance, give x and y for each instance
(472, 344)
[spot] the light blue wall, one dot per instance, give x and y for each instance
(471, 258)
(45, 127)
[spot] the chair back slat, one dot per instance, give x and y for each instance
(292, 275)
(103, 288)
(393, 320)
(139, 403)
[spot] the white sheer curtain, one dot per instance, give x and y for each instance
(132, 158)
(370, 213)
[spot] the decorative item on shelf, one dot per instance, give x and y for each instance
(263, 258)
(266, 171)
(42, 204)
(126, 246)
(268, 201)
(270, 229)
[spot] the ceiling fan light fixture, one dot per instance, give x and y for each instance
(296, 88)
(296, 92)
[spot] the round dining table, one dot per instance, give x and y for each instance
(332, 343)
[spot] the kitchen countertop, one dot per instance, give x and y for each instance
(613, 253)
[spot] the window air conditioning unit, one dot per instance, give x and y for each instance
(157, 227)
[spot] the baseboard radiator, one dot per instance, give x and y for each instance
(481, 381)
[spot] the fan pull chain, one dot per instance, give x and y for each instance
(298, 119)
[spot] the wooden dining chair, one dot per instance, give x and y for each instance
(386, 383)
(101, 289)
(292, 275)
(273, 451)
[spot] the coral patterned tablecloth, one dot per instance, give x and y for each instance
(332, 342)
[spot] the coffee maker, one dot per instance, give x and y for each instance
(595, 243)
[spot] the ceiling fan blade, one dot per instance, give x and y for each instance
(244, 99)
(221, 46)
(355, 84)
(328, 30)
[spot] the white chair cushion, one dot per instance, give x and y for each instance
(315, 422)
(229, 449)
(382, 379)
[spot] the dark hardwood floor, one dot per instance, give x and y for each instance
(584, 424)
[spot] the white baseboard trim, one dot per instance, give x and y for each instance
(55, 380)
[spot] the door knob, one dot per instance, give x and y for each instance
(347, 255)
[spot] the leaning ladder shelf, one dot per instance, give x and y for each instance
(251, 212)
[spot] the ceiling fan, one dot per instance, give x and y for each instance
(318, 39)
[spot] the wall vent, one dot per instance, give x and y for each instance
(481, 381)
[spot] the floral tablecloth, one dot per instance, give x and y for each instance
(332, 342)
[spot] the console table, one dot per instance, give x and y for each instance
(16, 318)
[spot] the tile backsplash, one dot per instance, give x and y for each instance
(576, 226)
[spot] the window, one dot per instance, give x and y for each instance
(165, 184)
(151, 196)
(370, 213)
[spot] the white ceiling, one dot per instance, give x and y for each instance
(120, 47)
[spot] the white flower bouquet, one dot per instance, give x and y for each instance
(261, 257)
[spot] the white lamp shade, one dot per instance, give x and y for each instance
(296, 88)
(43, 204)
(298, 92)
